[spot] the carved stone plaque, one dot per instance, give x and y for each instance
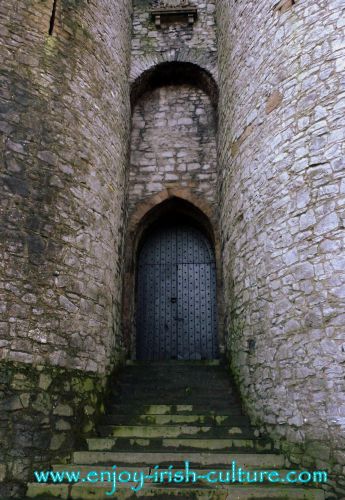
(165, 10)
(172, 3)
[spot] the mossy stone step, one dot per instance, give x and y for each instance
(171, 419)
(215, 401)
(174, 363)
(178, 458)
(182, 443)
(209, 444)
(48, 491)
(86, 491)
(173, 408)
(165, 397)
(167, 431)
(172, 392)
(179, 380)
(85, 469)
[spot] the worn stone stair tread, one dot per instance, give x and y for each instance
(230, 404)
(102, 444)
(174, 419)
(176, 430)
(157, 394)
(143, 387)
(160, 377)
(162, 383)
(172, 445)
(208, 493)
(234, 433)
(163, 409)
(203, 457)
(175, 363)
(85, 491)
(195, 374)
(47, 491)
(203, 402)
(84, 468)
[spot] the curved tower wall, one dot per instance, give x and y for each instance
(281, 152)
(64, 134)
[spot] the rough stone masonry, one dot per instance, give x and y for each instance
(65, 118)
(281, 159)
(268, 157)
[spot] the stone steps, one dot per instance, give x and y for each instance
(173, 394)
(177, 408)
(174, 431)
(174, 364)
(187, 444)
(177, 458)
(85, 491)
(173, 419)
(153, 422)
(84, 469)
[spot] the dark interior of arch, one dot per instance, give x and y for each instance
(175, 73)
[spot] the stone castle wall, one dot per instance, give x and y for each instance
(281, 150)
(65, 120)
(64, 139)
(67, 177)
(173, 126)
(147, 39)
(173, 143)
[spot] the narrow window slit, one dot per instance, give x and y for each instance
(52, 18)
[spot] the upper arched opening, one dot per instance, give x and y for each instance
(175, 73)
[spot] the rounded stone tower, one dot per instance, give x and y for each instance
(228, 113)
(281, 151)
(65, 118)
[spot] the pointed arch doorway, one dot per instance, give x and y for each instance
(176, 289)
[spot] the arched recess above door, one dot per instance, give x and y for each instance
(174, 71)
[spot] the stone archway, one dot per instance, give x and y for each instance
(176, 304)
(173, 157)
(169, 203)
(170, 71)
(206, 61)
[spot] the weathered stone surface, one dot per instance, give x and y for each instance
(65, 117)
(65, 182)
(282, 207)
(32, 430)
(173, 141)
(65, 99)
